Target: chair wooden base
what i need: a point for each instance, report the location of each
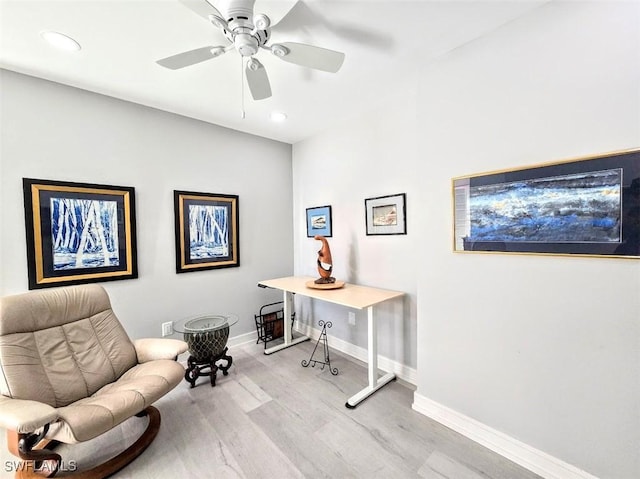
(40, 461)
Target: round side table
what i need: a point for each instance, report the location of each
(207, 338)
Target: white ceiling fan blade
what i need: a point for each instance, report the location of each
(309, 56)
(185, 59)
(298, 17)
(209, 13)
(201, 7)
(306, 15)
(277, 11)
(257, 79)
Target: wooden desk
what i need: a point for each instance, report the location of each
(352, 296)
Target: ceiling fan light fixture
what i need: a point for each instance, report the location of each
(245, 44)
(60, 41)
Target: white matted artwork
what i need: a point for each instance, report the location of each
(386, 215)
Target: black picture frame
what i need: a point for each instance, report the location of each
(79, 232)
(386, 215)
(585, 206)
(206, 231)
(319, 222)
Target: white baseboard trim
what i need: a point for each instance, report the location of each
(387, 365)
(526, 456)
(241, 339)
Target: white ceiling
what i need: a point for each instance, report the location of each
(385, 42)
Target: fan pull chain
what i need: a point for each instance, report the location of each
(242, 113)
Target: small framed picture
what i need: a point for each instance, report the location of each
(206, 228)
(319, 221)
(79, 232)
(386, 215)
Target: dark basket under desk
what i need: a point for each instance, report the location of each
(270, 322)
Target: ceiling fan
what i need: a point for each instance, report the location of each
(247, 33)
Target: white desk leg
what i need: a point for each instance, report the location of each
(288, 306)
(372, 353)
(288, 341)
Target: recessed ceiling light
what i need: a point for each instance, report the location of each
(278, 116)
(60, 40)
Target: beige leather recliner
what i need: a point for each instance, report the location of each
(69, 373)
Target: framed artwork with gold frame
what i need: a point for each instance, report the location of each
(79, 232)
(206, 229)
(587, 206)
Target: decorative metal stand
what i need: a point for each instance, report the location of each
(208, 367)
(323, 339)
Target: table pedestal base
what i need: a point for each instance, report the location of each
(208, 367)
(356, 399)
(285, 345)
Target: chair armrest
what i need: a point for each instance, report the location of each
(150, 349)
(25, 416)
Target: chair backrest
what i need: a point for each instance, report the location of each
(60, 345)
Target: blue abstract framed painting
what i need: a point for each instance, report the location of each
(587, 206)
(319, 221)
(79, 232)
(206, 227)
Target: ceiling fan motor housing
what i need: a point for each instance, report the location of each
(241, 31)
(237, 8)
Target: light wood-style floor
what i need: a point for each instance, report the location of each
(272, 418)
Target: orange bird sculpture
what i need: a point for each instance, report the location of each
(325, 264)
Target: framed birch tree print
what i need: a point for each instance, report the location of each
(79, 232)
(206, 228)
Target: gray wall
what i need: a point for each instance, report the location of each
(56, 132)
(363, 158)
(543, 349)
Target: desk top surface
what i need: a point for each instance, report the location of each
(351, 295)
